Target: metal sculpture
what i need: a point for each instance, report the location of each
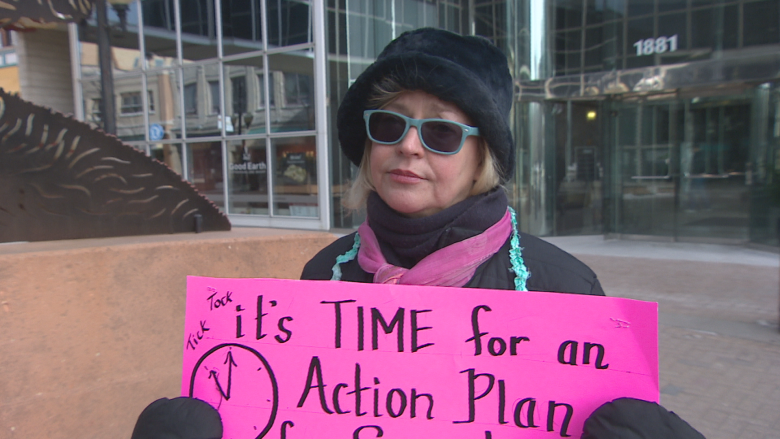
(62, 179)
(24, 14)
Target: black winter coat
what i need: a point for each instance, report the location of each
(551, 268)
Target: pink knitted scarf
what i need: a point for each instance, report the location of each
(451, 266)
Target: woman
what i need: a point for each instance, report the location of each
(427, 124)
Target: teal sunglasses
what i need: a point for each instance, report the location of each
(437, 135)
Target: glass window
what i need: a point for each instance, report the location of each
(614, 9)
(730, 31)
(261, 91)
(640, 7)
(131, 103)
(289, 22)
(205, 170)
(293, 73)
(337, 37)
(191, 98)
(242, 97)
(94, 111)
(297, 89)
(88, 57)
(568, 14)
(168, 153)
(200, 121)
(594, 40)
(238, 85)
(639, 31)
(295, 177)
(241, 26)
(165, 107)
(595, 11)
(159, 33)
(702, 28)
(125, 54)
(612, 50)
(247, 177)
(762, 23)
(198, 29)
(214, 97)
(671, 5)
(129, 111)
(673, 25)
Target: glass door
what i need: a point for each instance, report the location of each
(680, 167)
(646, 135)
(579, 168)
(714, 159)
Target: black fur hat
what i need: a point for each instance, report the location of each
(470, 72)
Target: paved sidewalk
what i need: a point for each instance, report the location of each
(718, 335)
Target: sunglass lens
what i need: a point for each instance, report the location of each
(385, 127)
(442, 136)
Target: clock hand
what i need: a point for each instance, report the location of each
(213, 374)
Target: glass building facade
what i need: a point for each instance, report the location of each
(632, 118)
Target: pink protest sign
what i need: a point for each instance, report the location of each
(312, 359)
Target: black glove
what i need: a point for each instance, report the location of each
(628, 418)
(178, 418)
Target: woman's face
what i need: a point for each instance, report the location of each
(414, 181)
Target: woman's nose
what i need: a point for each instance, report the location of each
(411, 143)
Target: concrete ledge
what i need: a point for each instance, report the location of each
(92, 329)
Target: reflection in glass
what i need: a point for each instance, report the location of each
(205, 170)
(198, 29)
(199, 117)
(159, 33)
(214, 103)
(247, 177)
(125, 54)
(168, 153)
(292, 75)
(578, 170)
(289, 22)
(640, 7)
(241, 26)
(162, 87)
(295, 177)
(93, 102)
(763, 18)
(129, 112)
(243, 85)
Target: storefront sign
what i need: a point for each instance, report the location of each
(308, 359)
(248, 168)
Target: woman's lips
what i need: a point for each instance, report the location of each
(403, 176)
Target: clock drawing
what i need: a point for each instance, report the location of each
(238, 381)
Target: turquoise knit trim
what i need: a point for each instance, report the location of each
(516, 257)
(346, 257)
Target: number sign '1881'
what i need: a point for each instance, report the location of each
(650, 46)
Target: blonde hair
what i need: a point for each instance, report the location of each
(384, 92)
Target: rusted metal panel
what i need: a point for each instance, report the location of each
(62, 179)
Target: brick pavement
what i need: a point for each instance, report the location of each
(718, 327)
